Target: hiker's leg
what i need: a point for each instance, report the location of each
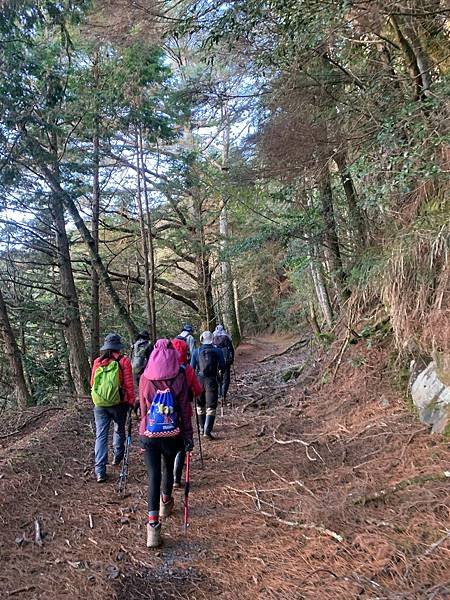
(211, 397)
(102, 421)
(119, 417)
(179, 464)
(225, 382)
(201, 410)
(170, 448)
(152, 459)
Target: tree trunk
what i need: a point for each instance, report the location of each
(79, 365)
(66, 199)
(228, 304)
(95, 281)
(236, 307)
(420, 79)
(217, 291)
(229, 310)
(204, 291)
(69, 384)
(14, 357)
(355, 213)
(200, 249)
(144, 239)
(255, 310)
(313, 318)
(89, 241)
(331, 240)
(320, 288)
(150, 262)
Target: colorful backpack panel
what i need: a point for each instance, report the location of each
(162, 417)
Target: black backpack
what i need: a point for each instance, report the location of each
(208, 361)
(223, 342)
(141, 351)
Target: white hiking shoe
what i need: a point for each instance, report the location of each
(153, 535)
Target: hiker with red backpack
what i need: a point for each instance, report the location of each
(112, 392)
(164, 430)
(208, 363)
(195, 390)
(222, 340)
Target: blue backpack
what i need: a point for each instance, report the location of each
(162, 417)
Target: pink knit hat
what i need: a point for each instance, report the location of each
(163, 362)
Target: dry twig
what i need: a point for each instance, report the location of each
(303, 443)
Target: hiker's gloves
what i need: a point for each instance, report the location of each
(188, 445)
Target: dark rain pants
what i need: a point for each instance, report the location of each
(159, 458)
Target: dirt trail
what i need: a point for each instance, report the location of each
(299, 519)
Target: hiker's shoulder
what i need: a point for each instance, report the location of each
(124, 360)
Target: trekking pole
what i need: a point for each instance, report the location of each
(186, 492)
(198, 432)
(123, 477)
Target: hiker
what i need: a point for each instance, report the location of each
(208, 361)
(112, 392)
(164, 430)
(222, 340)
(142, 348)
(187, 336)
(195, 389)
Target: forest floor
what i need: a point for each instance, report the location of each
(321, 487)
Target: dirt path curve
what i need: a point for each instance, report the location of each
(46, 482)
(284, 508)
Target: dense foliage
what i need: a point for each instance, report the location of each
(261, 163)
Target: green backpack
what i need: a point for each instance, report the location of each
(106, 390)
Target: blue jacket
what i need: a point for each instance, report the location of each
(195, 362)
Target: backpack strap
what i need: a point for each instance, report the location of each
(121, 390)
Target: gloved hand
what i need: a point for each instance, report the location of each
(188, 445)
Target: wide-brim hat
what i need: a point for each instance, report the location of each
(113, 341)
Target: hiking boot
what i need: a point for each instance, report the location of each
(166, 508)
(153, 535)
(101, 478)
(176, 485)
(209, 424)
(209, 436)
(116, 461)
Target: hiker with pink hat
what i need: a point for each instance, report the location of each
(164, 430)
